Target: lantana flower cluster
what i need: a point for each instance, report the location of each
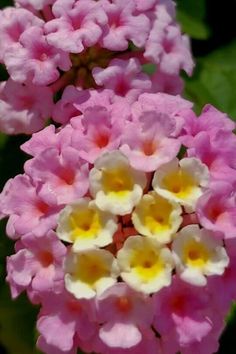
(124, 221)
(46, 45)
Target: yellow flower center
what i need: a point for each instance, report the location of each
(146, 263)
(90, 268)
(179, 183)
(117, 182)
(84, 224)
(196, 254)
(155, 216)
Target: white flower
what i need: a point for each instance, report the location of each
(115, 186)
(86, 226)
(198, 253)
(90, 272)
(145, 266)
(157, 217)
(182, 181)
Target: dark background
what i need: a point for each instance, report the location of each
(211, 25)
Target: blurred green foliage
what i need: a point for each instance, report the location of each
(214, 81)
(191, 15)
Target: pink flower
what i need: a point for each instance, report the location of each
(27, 211)
(125, 78)
(184, 309)
(123, 25)
(147, 141)
(123, 311)
(165, 45)
(74, 102)
(64, 175)
(77, 25)
(21, 109)
(218, 156)
(210, 120)
(216, 209)
(63, 318)
(163, 103)
(37, 264)
(13, 22)
(99, 132)
(171, 84)
(34, 4)
(47, 138)
(34, 60)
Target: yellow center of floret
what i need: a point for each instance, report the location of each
(146, 263)
(84, 224)
(155, 215)
(196, 254)
(179, 183)
(117, 182)
(90, 268)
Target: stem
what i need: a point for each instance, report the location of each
(63, 81)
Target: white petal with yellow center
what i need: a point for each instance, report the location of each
(157, 217)
(198, 254)
(115, 185)
(145, 265)
(182, 181)
(90, 272)
(85, 225)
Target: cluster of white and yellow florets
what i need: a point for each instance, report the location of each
(158, 246)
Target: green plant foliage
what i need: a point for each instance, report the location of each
(214, 80)
(4, 3)
(191, 14)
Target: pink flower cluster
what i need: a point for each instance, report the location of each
(46, 45)
(124, 218)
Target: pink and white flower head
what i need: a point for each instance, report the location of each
(124, 232)
(87, 44)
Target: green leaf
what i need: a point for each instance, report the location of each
(191, 14)
(5, 3)
(215, 80)
(17, 323)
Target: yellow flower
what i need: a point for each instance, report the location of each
(157, 217)
(115, 185)
(86, 226)
(144, 265)
(198, 254)
(182, 181)
(90, 272)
